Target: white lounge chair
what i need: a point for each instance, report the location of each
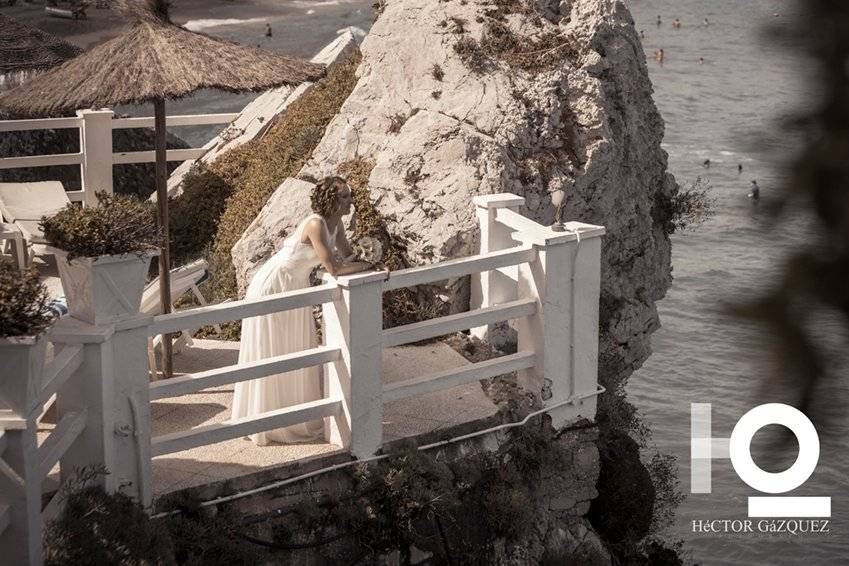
(23, 204)
(184, 278)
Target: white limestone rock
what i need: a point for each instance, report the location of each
(587, 125)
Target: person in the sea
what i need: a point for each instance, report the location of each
(706, 164)
(676, 23)
(756, 191)
(739, 168)
(268, 32)
(701, 60)
(707, 22)
(314, 242)
(659, 21)
(659, 55)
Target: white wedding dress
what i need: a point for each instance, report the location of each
(281, 333)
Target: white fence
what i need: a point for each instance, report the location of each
(545, 281)
(96, 157)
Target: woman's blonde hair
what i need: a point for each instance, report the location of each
(325, 195)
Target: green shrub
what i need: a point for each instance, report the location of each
(194, 214)
(257, 168)
(121, 224)
(96, 528)
(23, 302)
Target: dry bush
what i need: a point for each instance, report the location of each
(23, 302)
(473, 55)
(396, 122)
(690, 207)
(400, 306)
(436, 72)
(541, 53)
(121, 224)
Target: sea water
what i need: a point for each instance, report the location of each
(729, 109)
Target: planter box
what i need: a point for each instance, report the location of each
(105, 289)
(21, 367)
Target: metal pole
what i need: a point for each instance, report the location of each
(162, 204)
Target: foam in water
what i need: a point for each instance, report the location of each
(199, 25)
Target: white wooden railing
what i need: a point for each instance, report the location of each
(546, 282)
(24, 464)
(96, 157)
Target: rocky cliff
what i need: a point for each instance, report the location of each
(523, 97)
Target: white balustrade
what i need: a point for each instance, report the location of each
(547, 282)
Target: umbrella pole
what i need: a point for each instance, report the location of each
(162, 205)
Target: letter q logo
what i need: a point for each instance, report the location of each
(704, 448)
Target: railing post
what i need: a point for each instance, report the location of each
(565, 280)
(354, 324)
(89, 389)
(112, 386)
(20, 486)
(21, 376)
(493, 287)
(96, 145)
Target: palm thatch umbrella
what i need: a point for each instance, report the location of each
(155, 60)
(25, 49)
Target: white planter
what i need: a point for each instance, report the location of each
(105, 289)
(21, 366)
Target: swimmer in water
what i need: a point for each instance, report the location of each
(755, 195)
(739, 168)
(268, 30)
(642, 34)
(659, 21)
(676, 23)
(659, 55)
(701, 60)
(707, 22)
(706, 164)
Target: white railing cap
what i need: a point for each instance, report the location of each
(498, 200)
(546, 236)
(69, 330)
(356, 279)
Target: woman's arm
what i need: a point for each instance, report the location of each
(320, 240)
(342, 244)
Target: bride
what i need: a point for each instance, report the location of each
(312, 243)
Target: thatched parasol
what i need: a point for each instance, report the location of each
(152, 61)
(25, 49)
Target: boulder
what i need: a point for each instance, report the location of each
(506, 97)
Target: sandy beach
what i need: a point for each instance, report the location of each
(210, 16)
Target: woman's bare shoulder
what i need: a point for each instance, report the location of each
(313, 228)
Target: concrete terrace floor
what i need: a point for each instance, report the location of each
(226, 460)
(234, 458)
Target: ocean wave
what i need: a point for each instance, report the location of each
(356, 31)
(199, 25)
